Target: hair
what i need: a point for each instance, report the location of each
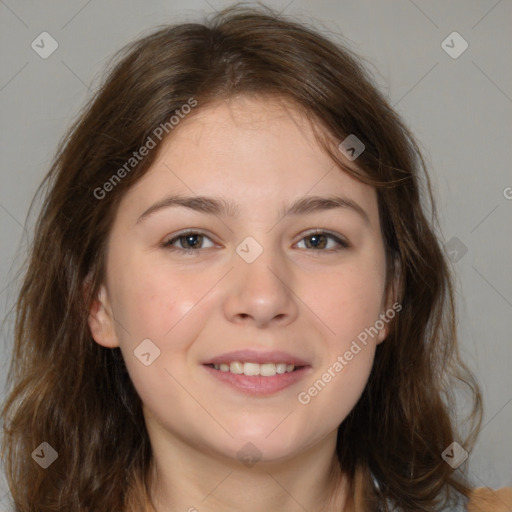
(76, 395)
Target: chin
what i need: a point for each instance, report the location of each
(266, 442)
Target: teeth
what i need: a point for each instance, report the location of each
(236, 367)
(251, 369)
(281, 368)
(255, 369)
(267, 369)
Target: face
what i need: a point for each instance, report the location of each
(263, 277)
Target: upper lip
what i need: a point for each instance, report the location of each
(253, 356)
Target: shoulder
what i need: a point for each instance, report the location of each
(484, 499)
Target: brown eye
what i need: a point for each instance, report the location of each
(320, 240)
(187, 242)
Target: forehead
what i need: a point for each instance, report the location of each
(254, 151)
(240, 126)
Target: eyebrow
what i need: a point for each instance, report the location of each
(227, 208)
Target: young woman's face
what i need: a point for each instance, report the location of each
(250, 285)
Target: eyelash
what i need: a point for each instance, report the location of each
(195, 252)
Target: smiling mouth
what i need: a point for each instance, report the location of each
(255, 369)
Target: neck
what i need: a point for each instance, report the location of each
(188, 479)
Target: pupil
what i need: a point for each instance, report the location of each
(317, 238)
(191, 239)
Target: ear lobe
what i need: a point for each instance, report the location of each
(392, 304)
(101, 321)
(383, 334)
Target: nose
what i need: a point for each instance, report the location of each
(261, 293)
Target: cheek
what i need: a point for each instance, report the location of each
(152, 299)
(161, 306)
(334, 390)
(348, 301)
(158, 308)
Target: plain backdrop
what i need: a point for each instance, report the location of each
(459, 106)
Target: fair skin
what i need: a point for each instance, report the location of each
(303, 295)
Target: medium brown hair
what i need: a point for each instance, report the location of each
(72, 393)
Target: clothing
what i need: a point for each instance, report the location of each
(484, 499)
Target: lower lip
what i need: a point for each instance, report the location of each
(258, 385)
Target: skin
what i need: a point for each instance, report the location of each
(310, 302)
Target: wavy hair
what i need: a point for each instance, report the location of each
(76, 395)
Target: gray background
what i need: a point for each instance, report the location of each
(460, 109)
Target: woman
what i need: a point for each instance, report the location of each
(235, 299)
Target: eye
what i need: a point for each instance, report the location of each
(190, 242)
(320, 240)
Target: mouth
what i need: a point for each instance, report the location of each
(256, 373)
(255, 369)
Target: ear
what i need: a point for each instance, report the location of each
(391, 305)
(101, 321)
